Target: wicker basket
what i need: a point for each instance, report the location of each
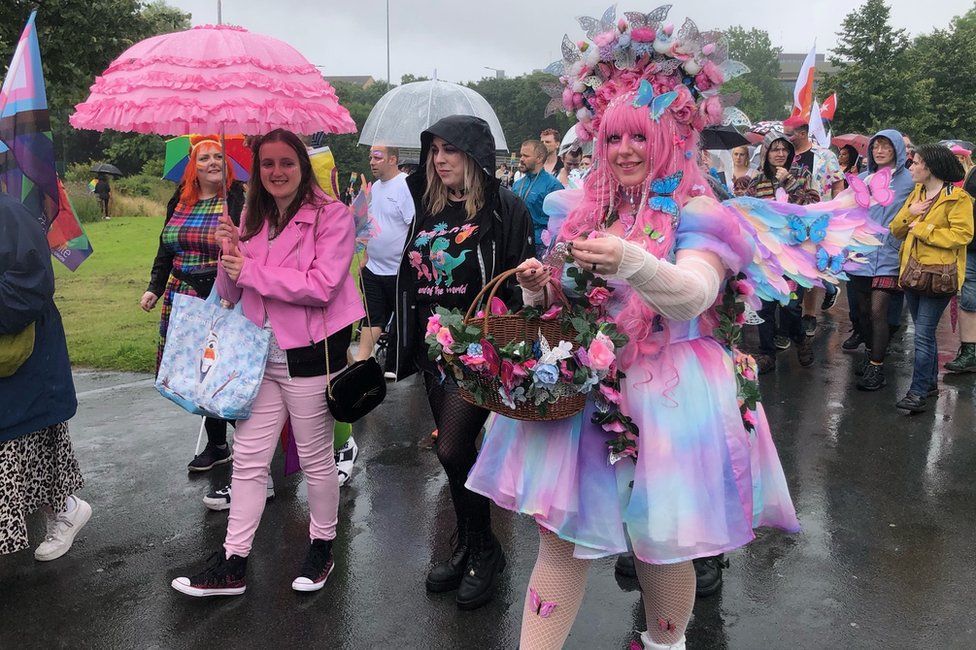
(505, 329)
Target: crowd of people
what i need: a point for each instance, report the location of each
(644, 221)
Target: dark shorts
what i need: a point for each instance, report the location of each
(967, 301)
(380, 295)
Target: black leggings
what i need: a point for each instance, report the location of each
(458, 425)
(216, 431)
(872, 317)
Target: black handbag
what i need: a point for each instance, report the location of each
(202, 279)
(357, 389)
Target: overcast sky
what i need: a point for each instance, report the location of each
(459, 38)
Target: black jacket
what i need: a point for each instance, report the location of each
(163, 264)
(504, 222)
(41, 393)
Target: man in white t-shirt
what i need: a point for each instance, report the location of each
(391, 207)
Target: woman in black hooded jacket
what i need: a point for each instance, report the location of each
(467, 230)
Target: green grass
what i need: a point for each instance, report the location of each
(100, 301)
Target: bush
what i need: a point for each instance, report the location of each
(86, 205)
(80, 172)
(137, 185)
(153, 167)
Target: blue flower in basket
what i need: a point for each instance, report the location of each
(546, 374)
(474, 350)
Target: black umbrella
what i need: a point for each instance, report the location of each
(105, 168)
(722, 137)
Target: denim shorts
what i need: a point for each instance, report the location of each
(967, 301)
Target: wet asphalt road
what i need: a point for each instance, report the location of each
(885, 559)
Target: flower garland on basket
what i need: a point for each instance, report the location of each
(731, 316)
(525, 378)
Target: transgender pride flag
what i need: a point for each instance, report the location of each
(27, 152)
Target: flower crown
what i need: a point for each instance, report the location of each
(619, 54)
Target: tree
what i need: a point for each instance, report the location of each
(520, 105)
(945, 57)
(78, 39)
(876, 84)
(763, 96)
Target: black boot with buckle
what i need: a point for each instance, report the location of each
(485, 561)
(446, 576)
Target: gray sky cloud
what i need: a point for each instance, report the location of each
(459, 38)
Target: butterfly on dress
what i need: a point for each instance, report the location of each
(828, 262)
(541, 607)
(816, 232)
(657, 103)
(876, 188)
(664, 188)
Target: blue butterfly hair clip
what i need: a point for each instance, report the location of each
(664, 188)
(658, 103)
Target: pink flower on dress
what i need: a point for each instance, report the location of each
(615, 426)
(445, 339)
(611, 394)
(598, 296)
(749, 417)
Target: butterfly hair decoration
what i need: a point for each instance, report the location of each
(815, 232)
(543, 608)
(877, 188)
(664, 188)
(832, 263)
(593, 26)
(652, 19)
(657, 103)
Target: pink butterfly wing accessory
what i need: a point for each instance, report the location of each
(880, 185)
(861, 192)
(541, 607)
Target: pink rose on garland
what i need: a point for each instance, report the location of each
(433, 325)
(445, 339)
(598, 296)
(600, 353)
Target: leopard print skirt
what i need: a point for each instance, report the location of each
(39, 469)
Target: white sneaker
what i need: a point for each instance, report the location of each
(345, 458)
(61, 531)
(389, 376)
(218, 500)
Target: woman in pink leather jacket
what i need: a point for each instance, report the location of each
(288, 266)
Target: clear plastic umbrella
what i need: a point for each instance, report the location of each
(404, 112)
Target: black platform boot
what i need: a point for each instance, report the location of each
(447, 575)
(485, 561)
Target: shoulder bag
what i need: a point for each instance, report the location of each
(932, 280)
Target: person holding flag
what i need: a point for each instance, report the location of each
(37, 464)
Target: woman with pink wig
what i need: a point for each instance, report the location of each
(695, 477)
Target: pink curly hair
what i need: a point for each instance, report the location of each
(668, 142)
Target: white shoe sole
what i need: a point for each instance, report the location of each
(311, 586)
(183, 586)
(86, 513)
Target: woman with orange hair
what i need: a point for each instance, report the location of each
(186, 261)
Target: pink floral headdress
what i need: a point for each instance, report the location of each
(617, 54)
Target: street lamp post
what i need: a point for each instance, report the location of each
(499, 73)
(387, 42)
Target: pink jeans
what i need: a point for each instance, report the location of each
(303, 400)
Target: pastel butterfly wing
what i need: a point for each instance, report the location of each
(732, 69)
(660, 104)
(664, 204)
(861, 193)
(818, 231)
(880, 189)
(571, 52)
(781, 195)
(609, 17)
(823, 260)
(534, 601)
(837, 264)
(645, 94)
(659, 15)
(636, 18)
(546, 608)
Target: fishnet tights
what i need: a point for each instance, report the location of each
(557, 577)
(458, 425)
(669, 596)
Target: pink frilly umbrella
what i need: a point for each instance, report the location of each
(212, 79)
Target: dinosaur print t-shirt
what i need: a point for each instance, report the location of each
(444, 257)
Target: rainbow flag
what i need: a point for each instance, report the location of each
(27, 169)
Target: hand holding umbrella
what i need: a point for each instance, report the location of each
(228, 236)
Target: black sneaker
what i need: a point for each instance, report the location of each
(318, 565)
(781, 342)
(210, 457)
(861, 365)
(804, 351)
(809, 325)
(830, 299)
(852, 342)
(912, 403)
(625, 567)
(708, 574)
(224, 576)
(873, 378)
(220, 499)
